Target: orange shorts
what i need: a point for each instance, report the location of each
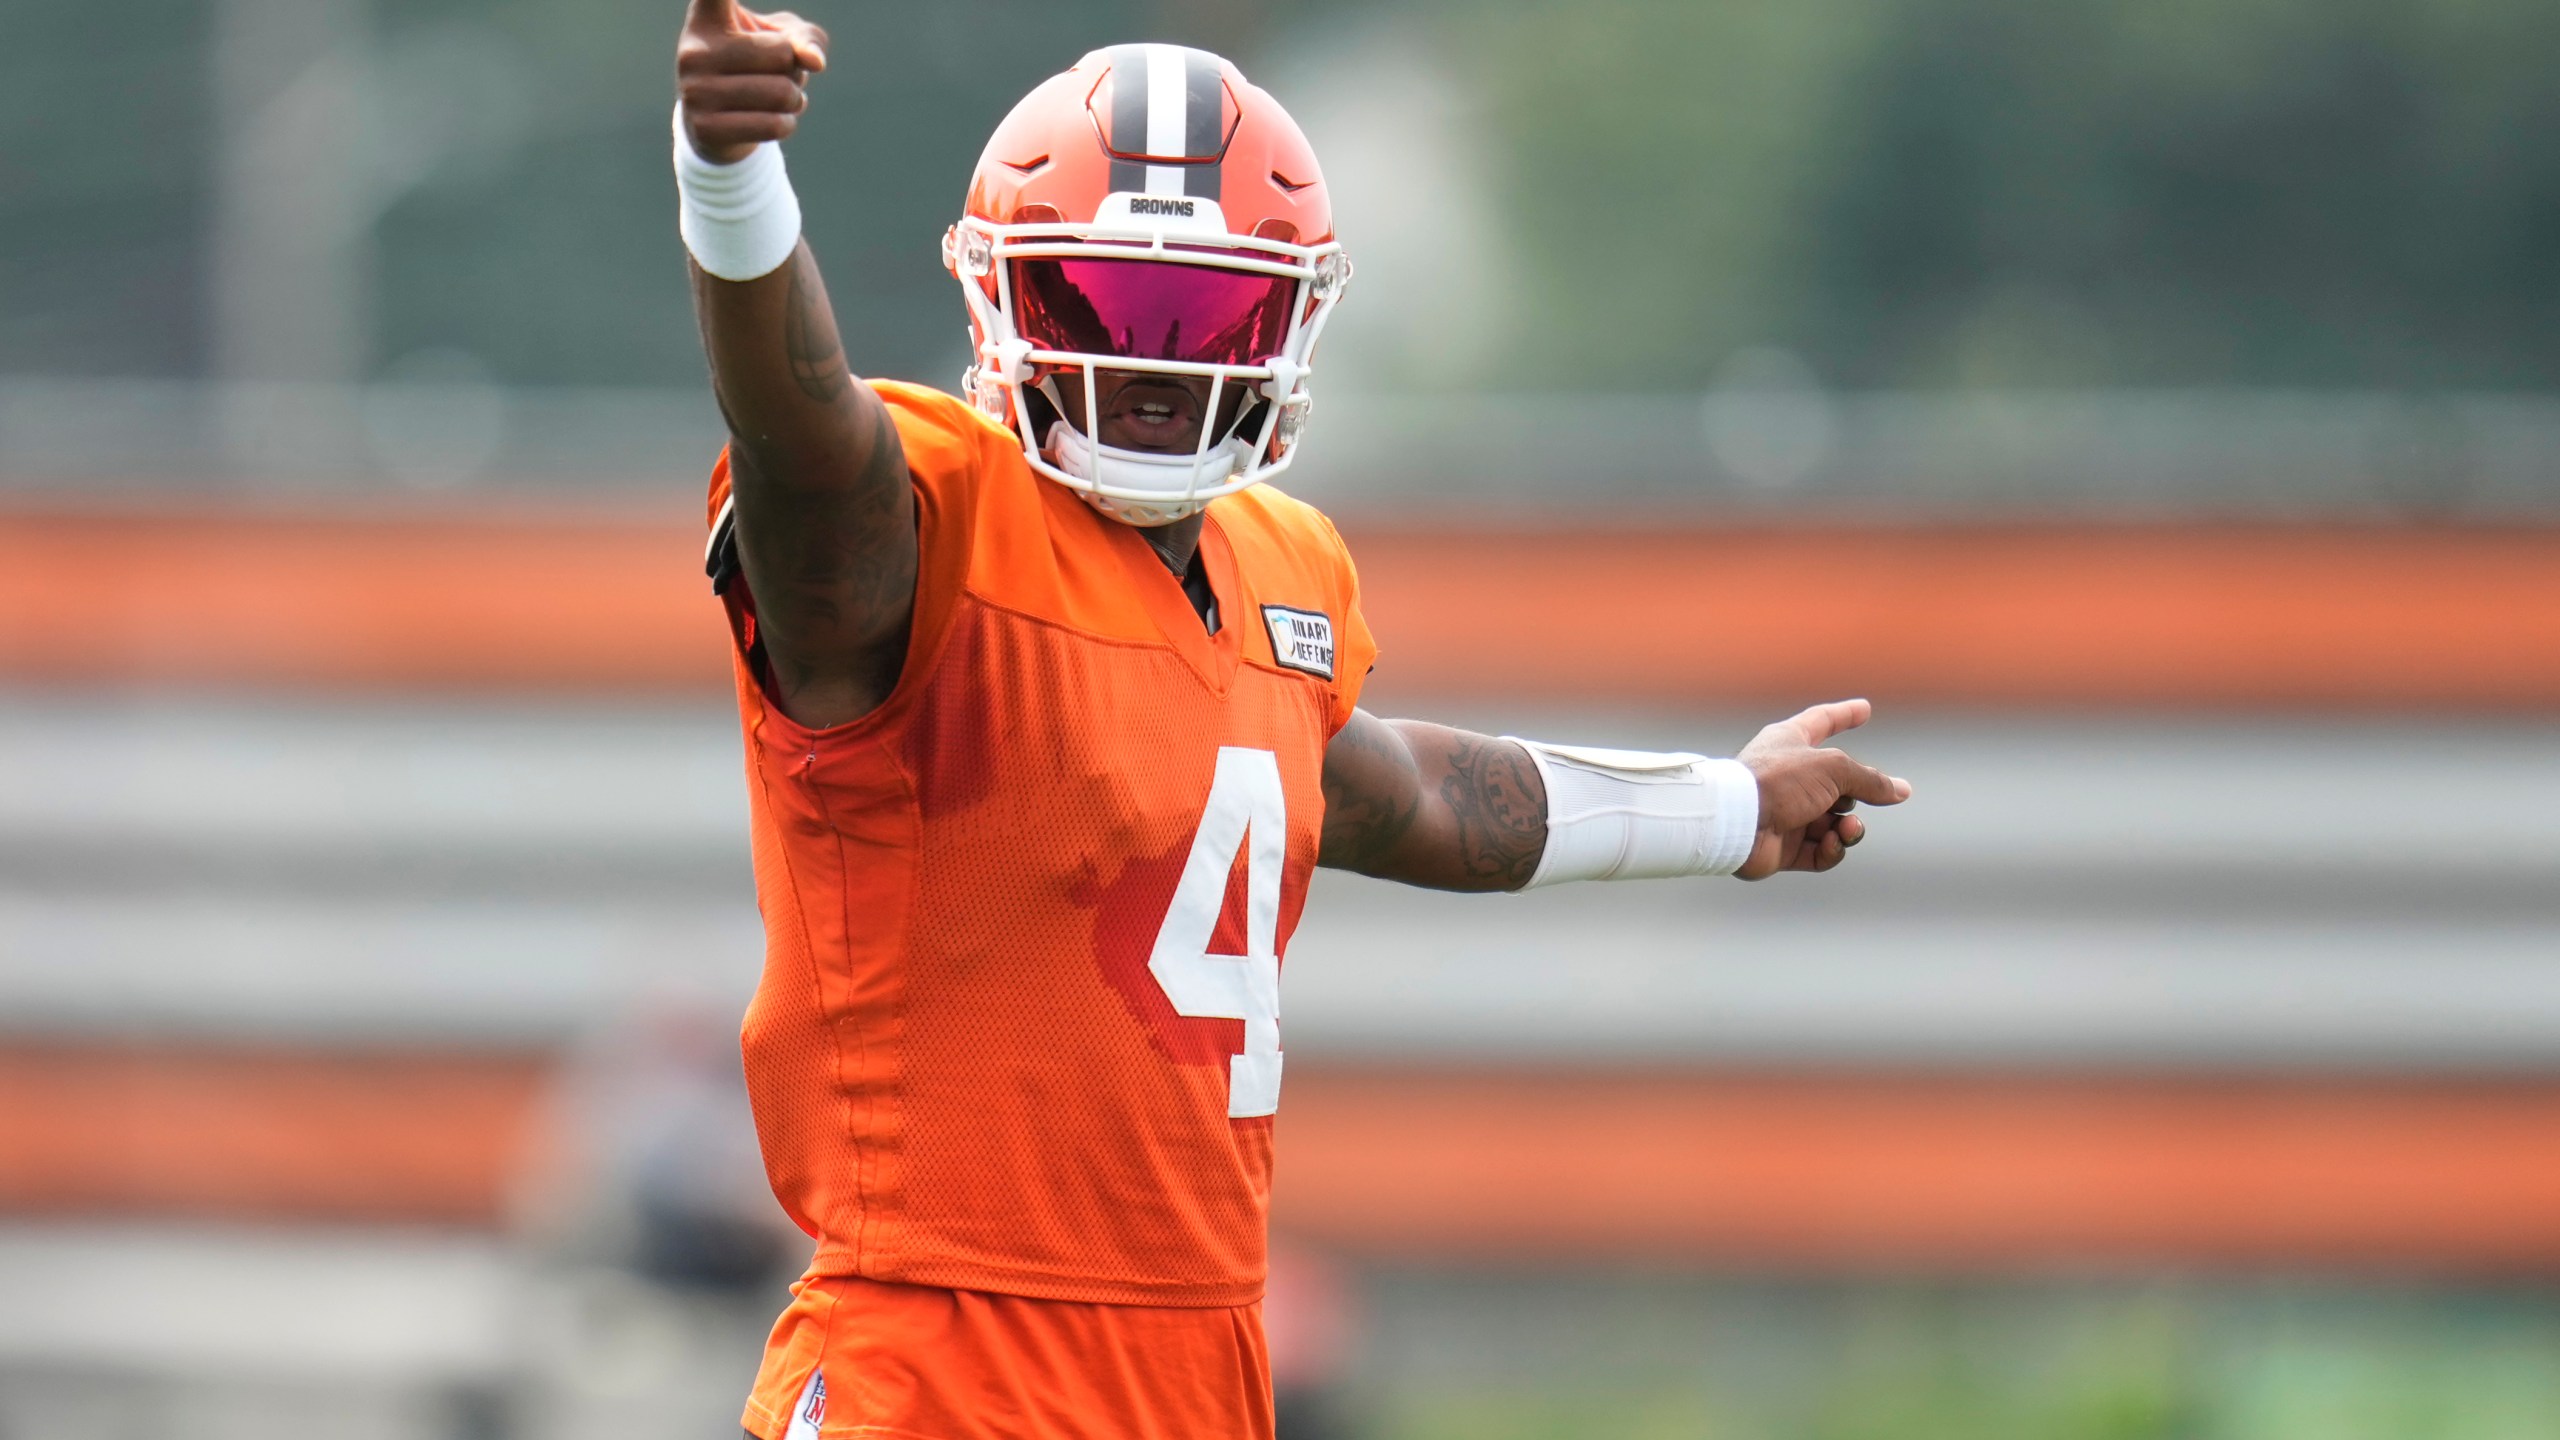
(855, 1357)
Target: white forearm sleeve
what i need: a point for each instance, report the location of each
(1631, 815)
(742, 220)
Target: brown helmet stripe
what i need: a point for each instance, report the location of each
(1204, 129)
(1128, 116)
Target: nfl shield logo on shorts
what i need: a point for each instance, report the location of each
(811, 1411)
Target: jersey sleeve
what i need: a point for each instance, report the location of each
(1355, 650)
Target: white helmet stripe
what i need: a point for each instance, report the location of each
(1168, 115)
(1168, 100)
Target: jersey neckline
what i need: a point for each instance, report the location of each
(1211, 657)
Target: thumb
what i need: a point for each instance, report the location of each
(1820, 722)
(808, 41)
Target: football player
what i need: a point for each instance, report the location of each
(1051, 706)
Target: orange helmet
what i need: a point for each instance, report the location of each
(1149, 210)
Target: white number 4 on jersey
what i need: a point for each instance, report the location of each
(1246, 807)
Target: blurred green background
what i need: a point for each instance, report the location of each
(1905, 193)
(1554, 1356)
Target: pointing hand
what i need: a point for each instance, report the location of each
(1808, 789)
(742, 76)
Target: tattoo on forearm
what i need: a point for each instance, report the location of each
(809, 338)
(1492, 789)
(710, 348)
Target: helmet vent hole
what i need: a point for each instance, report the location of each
(1276, 228)
(1287, 185)
(1032, 166)
(1036, 213)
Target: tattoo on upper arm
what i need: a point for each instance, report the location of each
(887, 515)
(1493, 791)
(1362, 823)
(809, 338)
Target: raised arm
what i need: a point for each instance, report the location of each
(825, 516)
(1450, 810)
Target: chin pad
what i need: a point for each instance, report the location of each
(1128, 483)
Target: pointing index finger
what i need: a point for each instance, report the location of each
(711, 15)
(1868, 785)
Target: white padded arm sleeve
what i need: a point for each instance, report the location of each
(1632, 815)
(741, 221)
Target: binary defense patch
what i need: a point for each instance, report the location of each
(1301, 639)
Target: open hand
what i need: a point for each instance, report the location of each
(742, 76)
(1807, 791)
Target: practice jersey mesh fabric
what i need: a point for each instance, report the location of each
(965, 1070)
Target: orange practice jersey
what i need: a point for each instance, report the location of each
(1018, 1027)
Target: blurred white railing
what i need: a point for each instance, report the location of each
(2068, 890)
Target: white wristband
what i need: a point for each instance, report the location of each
(741, 220)
(1631, 815)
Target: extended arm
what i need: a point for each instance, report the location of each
(1450, 810)
(1431, 806)
(825, 515)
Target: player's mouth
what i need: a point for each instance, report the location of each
(1161, 415)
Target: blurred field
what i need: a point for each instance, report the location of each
(2157, 410)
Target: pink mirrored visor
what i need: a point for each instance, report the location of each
(1152, 310)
